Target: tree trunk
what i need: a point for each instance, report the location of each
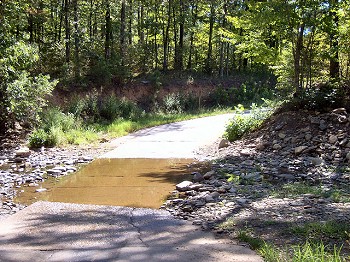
(194, 21)
(108, 32)
(122, 32)
(222, 43)
(67, 29)
(179, 47)
(208, 66)
(334, 67)
(76, 39)
(297, 57)
(166, 38)
(130, 23)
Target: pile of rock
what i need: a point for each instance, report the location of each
(293, 147)
(23, 166)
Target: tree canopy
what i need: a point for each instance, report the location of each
(98, 42)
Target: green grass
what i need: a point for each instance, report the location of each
(322, 230)
(296, 189)
(247, 237)
(308, 252)
(93, 132)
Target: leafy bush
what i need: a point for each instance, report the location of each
(22, 94)
(321, 97)
(37, 138)
(40, 137)
(172, 104)
(245, 122)
(54, 117)
(95, 108)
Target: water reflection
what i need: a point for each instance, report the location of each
(121, 182)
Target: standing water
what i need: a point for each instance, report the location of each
(119, 182)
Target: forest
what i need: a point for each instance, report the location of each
(84, 44)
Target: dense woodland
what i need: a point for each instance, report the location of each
(89, 43)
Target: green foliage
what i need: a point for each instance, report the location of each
(54, 117)
(22, 96)
(247, 237)
(244, 123)
(253, 90)
(172, 104)
(322, 97)
(308, 252)
(322, 230)
(95, 108)
(40, 137)
(26, 96)
(296, 189)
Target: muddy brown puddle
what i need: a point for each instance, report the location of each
(119, 182)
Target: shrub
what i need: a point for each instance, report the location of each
(54, 117)
(245, 122)
(22, 94)
(41, 137)
(37, 138)
(321, 97)
(172, 104)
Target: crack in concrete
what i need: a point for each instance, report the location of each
(138, 229)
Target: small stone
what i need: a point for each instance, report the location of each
(197, 177)
(323, 125)
(260, 146)
(308, 137)
(242, 201)
(39, 190)
(209, 174)
(315, 120)
(299, 149)
(343, 142)
(224, 143)
(316, 161)
(209, 199)
(183, 186)
(23, 152)
(276, 146)
(332, 139)
(348, 156)
(282, 135)
(339, 111)
(215, 195)
(245, 152)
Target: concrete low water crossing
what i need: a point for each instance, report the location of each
(47, 231)
(139, 182)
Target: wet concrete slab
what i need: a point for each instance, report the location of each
(140, 182)
(175, 140)
(70, 232)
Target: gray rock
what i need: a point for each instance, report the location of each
(348, 156)
(209, 174)
(224, 143)
(299, 149)
(276, 146)
(332, 139)
(316, 161)
(281, 135)
(315, 120)
(339, 111)
(197, 177)
(23, 152)
(184, 186)
(323, 125)
(308, 137)
(245, 152)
